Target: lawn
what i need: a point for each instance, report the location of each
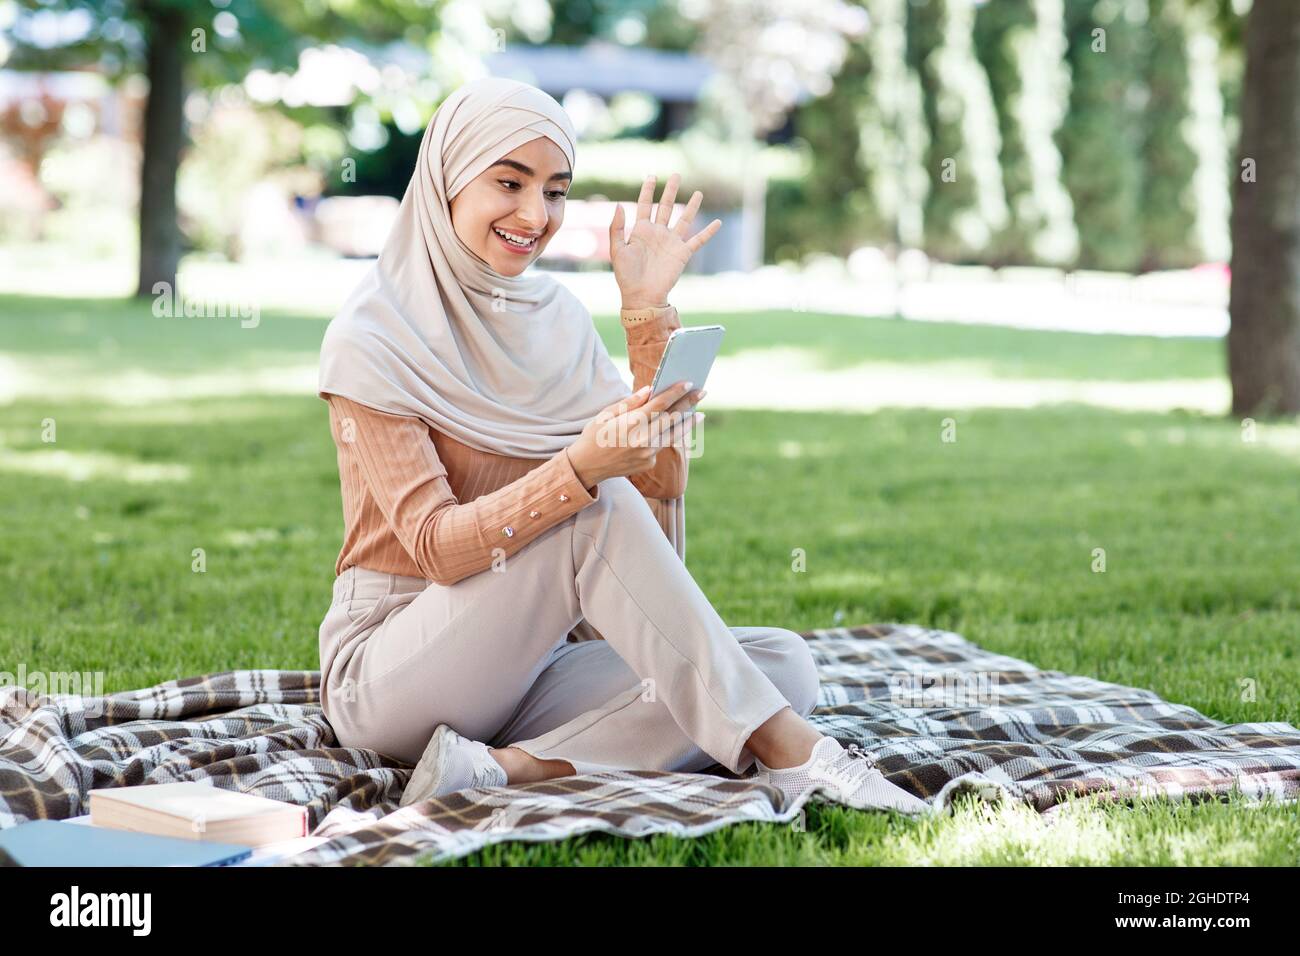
(992, 535)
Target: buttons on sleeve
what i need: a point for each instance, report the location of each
(509, 531)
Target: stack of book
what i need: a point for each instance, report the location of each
(167, 824)
(197, 811)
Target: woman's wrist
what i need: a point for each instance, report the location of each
(579, 466)
(643, 302)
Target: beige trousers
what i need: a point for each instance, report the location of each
(591, 644)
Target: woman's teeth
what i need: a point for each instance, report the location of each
(515, 240)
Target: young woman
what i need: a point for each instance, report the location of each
(511, 601)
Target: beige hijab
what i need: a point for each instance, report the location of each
(509, 365)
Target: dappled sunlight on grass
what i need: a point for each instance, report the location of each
(799, 449)
(860, 581)
(739, 382)
(252, 537)
(1279, 438)
(182, 413)
(865, 583)
(1093, 830)
(313, 283)
(66, 380)
(793, 378)
(88, 465)
(118, 351)
(986, 834)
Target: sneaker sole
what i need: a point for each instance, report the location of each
(427, 777)
(821, 795)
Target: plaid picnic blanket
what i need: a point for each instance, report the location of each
(943, 716)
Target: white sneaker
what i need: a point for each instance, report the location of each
(451, 762)
(844, 776)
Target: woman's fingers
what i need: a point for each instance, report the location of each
(669, 428)
(667, 397)
(703, 236)
(688, 215)
(627, 403)
(679, 429)
(693, 397)
(616, 227)
(640, 427)
(644, 201)
(667, 199)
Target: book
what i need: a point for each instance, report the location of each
(263, 855)
(193, 810)
(51, 843)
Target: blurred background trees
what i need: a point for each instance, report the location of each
(181, 45)
(1264, 337)
(1074, 134)
(1088, 134)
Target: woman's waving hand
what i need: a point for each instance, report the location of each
(649, 261)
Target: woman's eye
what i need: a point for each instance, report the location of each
(507, 182)
(557, 194)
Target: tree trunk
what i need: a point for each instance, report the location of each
(1264, 337)
(160, 239)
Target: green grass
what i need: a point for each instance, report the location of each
(120, 334)
(843, 341)
(991, 536)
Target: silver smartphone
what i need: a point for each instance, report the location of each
(687, 357)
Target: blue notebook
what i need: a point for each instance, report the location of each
(55, 843)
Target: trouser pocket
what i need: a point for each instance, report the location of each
(366, 592)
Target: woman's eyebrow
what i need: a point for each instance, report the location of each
(528, 170)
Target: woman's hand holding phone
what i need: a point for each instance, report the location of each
(625, 437)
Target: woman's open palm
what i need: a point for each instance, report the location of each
(648, 263)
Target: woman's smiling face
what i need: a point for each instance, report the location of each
(521, 195)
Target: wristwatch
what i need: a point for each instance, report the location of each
(633, 316)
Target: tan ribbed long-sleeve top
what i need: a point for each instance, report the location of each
(418, 502)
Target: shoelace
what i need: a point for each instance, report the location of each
(842, 770)
(855, 750)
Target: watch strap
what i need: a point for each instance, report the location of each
(634, 316)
